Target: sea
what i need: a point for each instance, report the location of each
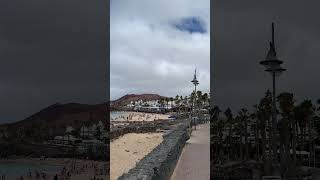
(115, 114)
(13, 170)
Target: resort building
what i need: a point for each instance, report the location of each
(89, 138)
(66, 140)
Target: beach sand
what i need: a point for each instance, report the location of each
(140, 116)
(126, 151)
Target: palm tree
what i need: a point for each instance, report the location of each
(286, 104)
(228, 114)
(198, 98)
(215, 130)
(204, 98)
(162, 101)
(243, 114)
(266, 113)
(216, 110)
(254, 117)
(263, 117)
(308, 112)
(239, 131)
(220, 127)
(192, 99)
(181, 103)
(177, 102)
(299, 118)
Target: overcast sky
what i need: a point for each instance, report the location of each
(241, 35)
(51, 51)
(156, 45)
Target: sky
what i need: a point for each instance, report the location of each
(241, 35)
(155, 47)
(51, 52)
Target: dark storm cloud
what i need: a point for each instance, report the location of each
(241, 35)
(51, 51)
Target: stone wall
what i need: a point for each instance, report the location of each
(160, 163)
(131, 129)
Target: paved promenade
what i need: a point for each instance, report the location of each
(194, 161)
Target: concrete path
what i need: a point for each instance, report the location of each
(194, 161)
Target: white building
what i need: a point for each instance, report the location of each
(91, 131)
(66, 140)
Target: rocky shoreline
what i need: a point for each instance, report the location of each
(119, 128)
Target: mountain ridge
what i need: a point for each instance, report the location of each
(56, 117)
(126, 99)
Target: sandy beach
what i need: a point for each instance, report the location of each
(140, 116)
(76, 168)
(127, 150)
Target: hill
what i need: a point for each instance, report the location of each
(54, 119)
(124, 100)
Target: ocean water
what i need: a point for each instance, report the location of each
(13, 170)
(115, 114)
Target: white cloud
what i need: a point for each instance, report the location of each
(148, 55)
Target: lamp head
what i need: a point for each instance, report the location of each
(271, 62)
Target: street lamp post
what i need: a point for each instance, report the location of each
(272, 65)
(195, 82)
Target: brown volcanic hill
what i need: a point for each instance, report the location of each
(124, 100)
(54, 119)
